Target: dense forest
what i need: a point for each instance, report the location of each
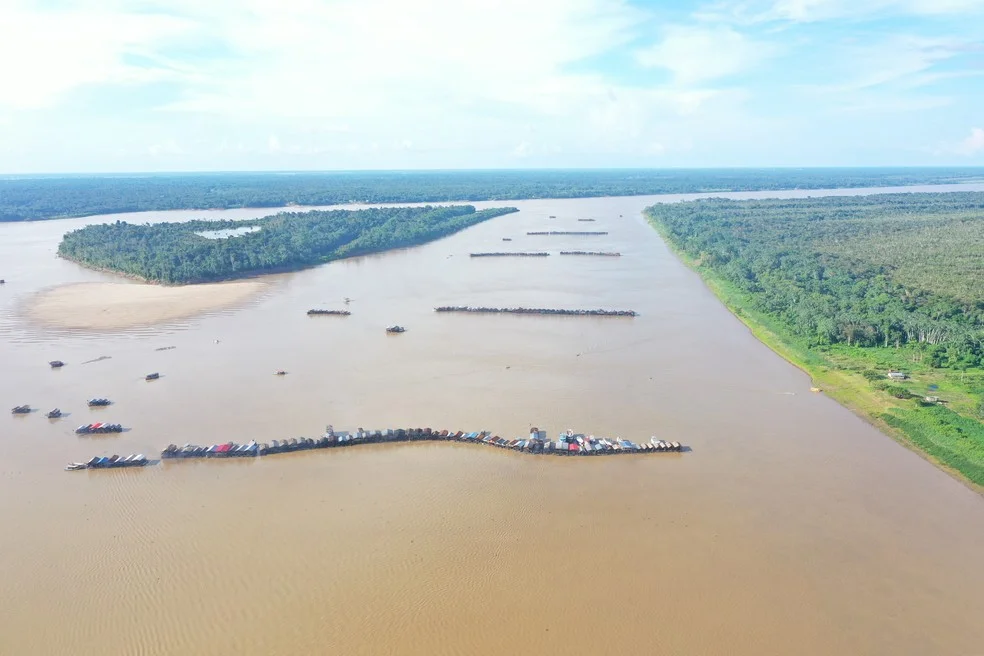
(27, 198)
(853, 287)
(820, 266)
(179, 253)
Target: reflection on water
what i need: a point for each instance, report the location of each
(792, 526)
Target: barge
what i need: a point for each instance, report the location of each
(99, 428)
(551, 311)
(111, 462)
(321, 313)
(577, 233)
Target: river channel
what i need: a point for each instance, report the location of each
(791, 527)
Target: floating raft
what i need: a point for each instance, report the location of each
(112, 462)
(566, 232)
(508, 254)
(551, 311)
(600, 253)
(567, 444)
(338, 313)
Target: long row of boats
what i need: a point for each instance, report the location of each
(568, 443)
(568, 232)
(524, 310)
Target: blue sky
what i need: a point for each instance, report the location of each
(166, 85)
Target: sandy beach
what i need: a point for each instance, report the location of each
(107, 306)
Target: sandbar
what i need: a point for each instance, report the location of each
(108, 305)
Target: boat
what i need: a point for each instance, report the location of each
(280, 372)
(21, 409)
(318, 312)
(153, 376)
(55, 364)
(98, 403)
(98, 428)
(114, 461)
(54, 414)
(395, 329)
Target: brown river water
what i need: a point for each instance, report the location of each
(792, 527)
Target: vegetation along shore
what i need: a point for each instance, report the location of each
(877, 298)
(177, 253)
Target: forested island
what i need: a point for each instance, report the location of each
(25, 198)
(853, 288)
(177, 253)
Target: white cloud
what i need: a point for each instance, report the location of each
(169, 147)
(808, 11)
(46, 53)
(973, 144)
(695, 54)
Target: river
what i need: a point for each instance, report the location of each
(791, 527)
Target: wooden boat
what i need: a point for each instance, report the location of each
(20, 410)
(153, 376)
(395, 329)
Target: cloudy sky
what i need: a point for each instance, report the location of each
(157, 85)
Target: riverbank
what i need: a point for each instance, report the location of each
(933, 432)
(113, 306)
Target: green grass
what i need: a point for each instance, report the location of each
(952, 437)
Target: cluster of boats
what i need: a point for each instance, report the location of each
(340, 313)
(522, 310)
(110, 462)
(56, 413)
(599, 253)
(568, 443)
(98, 428)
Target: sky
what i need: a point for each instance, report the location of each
(199, 85)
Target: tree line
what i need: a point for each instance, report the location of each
(27, 198)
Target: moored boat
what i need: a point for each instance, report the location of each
(153, 376)
(98, 403)
(20, 409)
(55, 364)
(395, 329)
(54, 414)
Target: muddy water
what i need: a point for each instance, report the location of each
(792, 526)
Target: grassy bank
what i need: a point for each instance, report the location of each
(948, 435)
